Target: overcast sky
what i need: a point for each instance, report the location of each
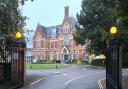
(48, 12)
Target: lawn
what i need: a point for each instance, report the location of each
(46, 66)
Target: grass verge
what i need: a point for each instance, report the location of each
(46, 66)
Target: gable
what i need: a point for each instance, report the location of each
(38, 32)
(71, 22)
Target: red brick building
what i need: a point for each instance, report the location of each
(56, 42)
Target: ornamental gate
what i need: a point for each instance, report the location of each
(12, 62)
(113, 65)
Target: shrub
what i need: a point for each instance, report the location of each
(73, 61)
(40, 62)
(84, 62)
(125, 63)
(98, 62)
(52, 61)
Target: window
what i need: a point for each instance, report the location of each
(52, 45)
(53, 33)
(85, 56)
(66, 42)
(55, 44)
(77, 55)
(38, 40)
(66, 29)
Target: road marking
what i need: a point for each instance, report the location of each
(73, 79)
(100, 84)
(64, 74)
(56, 72)
(84, 69)
(40, 80)
(37, 81)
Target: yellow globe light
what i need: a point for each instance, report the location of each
(113, 30)
(18, 34)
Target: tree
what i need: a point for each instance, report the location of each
(96, 17)
(11, 19)
(123, 25)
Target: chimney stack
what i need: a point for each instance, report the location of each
(66, 11)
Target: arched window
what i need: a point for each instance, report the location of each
(66, 28)
(38, 40)
(84, 55)
(77, 55)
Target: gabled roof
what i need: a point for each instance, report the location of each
(48, 30)
(73, 21)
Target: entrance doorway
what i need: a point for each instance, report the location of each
(66, 58)
(66, 54)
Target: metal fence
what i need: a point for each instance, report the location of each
(12, 62)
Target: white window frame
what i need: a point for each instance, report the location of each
(38, 40)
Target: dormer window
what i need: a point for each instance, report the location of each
(53, 33)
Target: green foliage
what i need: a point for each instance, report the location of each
(80, 35)
(75, 62)
(52, 62)
(40, 62)
(44, 62)
(123, 8)
(11, 19)
(98, 62)
(84, 62)
(72, 62)
(45, 66)
(97, 37)
(23, 1)
(95, 18)
(125, 63)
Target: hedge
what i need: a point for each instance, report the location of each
(125, 63)
(98, 62)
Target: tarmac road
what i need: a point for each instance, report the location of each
(76, 77)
